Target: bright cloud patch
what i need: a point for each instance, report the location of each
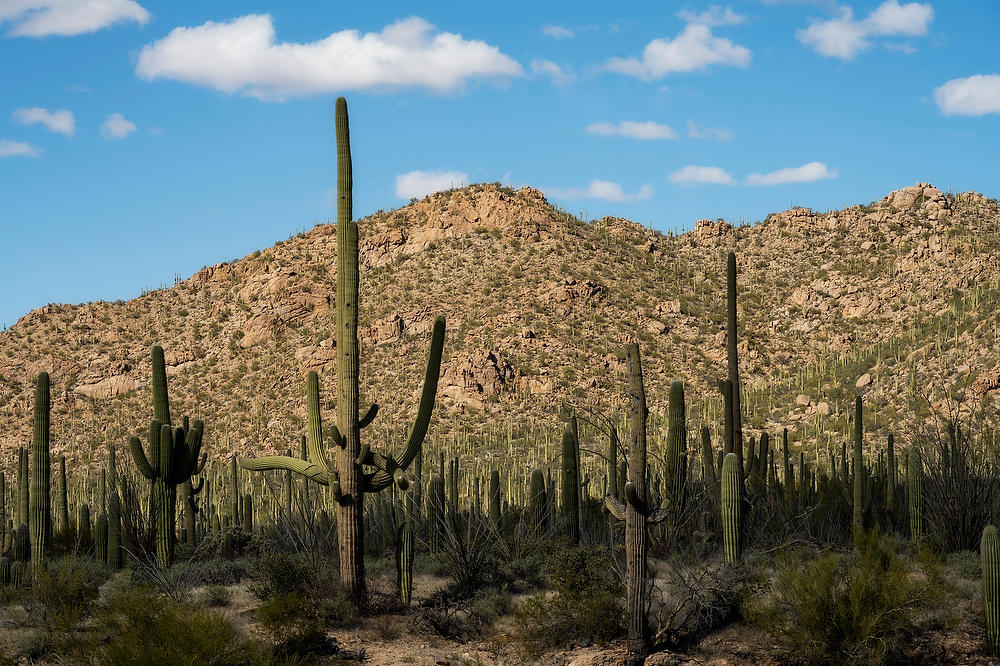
(713, 16)
(844, 37)
(972, 96)
(602, 189)
(417, 184)
(694, 49)
(116, 127)
(42, 18)
(806, 173)
(557, 31)
(10, 148)
(696, 131)
(634, 130)
(550, 69)
(242, 56)
(701, 175)
(57, 121)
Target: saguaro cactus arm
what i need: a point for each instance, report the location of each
(304, 468)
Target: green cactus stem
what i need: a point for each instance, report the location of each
(40, 522)
(732, 510)
(989, 553)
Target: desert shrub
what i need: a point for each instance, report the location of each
(293, 623)
(843, 608)
(337, 611)
(487, 607)
(223, 572)
(279, 573)
(217, 596)
(466, 550)
(140, 626)
(33, 645)
(63, 593)
(965, 563)
(585, 603)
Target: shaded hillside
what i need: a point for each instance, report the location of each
(896, 297)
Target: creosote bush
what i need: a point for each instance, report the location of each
(586, 603)
(855, 607)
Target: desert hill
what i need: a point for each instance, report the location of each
(897, 298)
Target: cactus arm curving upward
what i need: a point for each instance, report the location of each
(304, 468)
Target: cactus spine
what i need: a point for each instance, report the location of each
(40, 523)
(732, 509)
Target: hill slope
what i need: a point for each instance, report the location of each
(899, 296)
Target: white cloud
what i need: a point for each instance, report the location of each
(548, 68)
(116, 127)
(696, 131)
(713, 16)
(42, 18)
(242, 56)
(701, 175)
(602, 189)
(417, 184)
(844, 37)
(694, 49)
(10, 148)
(807, 173)
(972, 96)
(557, 31)
(57, 121)
(633, 129)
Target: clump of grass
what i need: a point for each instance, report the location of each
(217, 596)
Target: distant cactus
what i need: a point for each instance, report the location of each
(114, 531)
(989, 553)
(732, 510)
(537, 502)
(857, 520)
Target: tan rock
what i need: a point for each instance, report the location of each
(802, 400)
(864, 380)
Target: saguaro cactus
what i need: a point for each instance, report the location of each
(404, 556)
(989, 553)
(858, 516)
(637, 513)
(40, 522)
(676, 451)
(349, 482)
(915, 479)
(570, 481)
(732, 354)
(732, 509)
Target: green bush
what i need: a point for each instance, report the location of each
(217, 596)
(843, 608)
(63, 593)
(294, 624)
(279, 573)
(139, 626)
(585, 604)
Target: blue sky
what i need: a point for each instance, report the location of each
(142, 140)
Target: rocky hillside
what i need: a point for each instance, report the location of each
(898, 298)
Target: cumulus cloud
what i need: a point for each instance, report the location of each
(694, 49)
(557, 31)
(43, 18)
(633, 129)
(844, 37)
(417, 184)
(243, 56)
(972, 96)
(60, 121)
(10, 148)
(807, 173)
(602, 189)
(696, 131)
(116, 127)
(550, 69)
(701, 175)
(713, 16)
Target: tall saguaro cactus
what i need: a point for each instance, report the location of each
(989, 553)
(860, 478)
(41, 475)
(732, 509)
(732, 353)
(349, 480)
(173, 458)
